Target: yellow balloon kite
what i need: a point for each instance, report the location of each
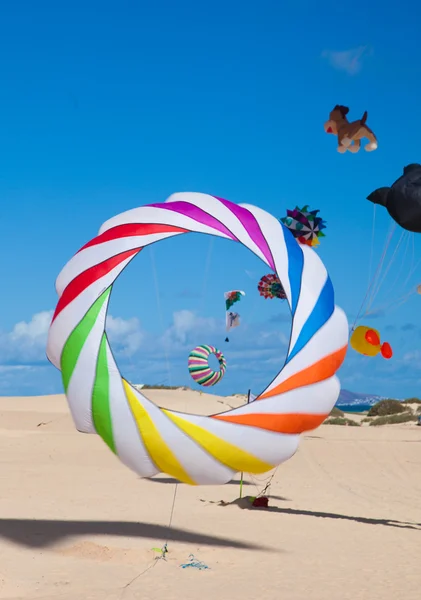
(366, 340)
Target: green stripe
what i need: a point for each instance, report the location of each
(101, 412)
(77, 339)
(207, 378)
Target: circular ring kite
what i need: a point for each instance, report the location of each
(195, 449)
(199, 365)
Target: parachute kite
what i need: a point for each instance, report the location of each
(403, 199)
(199, 365)
(232, 319)
(305, 225)
(270, 287)
(366, 340)
(350, 134)
(253, 438)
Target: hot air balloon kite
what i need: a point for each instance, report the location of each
(305, 225)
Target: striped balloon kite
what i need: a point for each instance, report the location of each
(197, 449)
(199, 369)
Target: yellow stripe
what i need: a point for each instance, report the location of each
(225, 452)
(158, 450)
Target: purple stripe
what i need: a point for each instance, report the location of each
(197, 376)
(204, 375)
(198, 361)
(197, 214)
(251, 226)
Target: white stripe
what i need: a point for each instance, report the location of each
(128, 442)
(313, 279)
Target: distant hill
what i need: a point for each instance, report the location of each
(358, 402)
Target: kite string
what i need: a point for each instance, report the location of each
(158, 304)
(374, 278)
(163, 550)
(381, 262)
(267, 481)
(403, 262)
(395, 302)
(412, 268)
(206, 274)
(380, 283)
(172, 513)
(373, 231)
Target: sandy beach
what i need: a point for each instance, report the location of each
(344, 520)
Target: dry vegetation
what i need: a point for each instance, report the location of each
(390, 412)
(342, 421)
(387, 407)
(404, 417)
(385, 412)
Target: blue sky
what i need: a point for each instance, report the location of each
(110, 105)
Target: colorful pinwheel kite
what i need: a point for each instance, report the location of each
(305, 225)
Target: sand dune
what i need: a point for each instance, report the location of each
(344, 521)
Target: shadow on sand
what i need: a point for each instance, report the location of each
(174, 481)
(45, 533)
(245, 503)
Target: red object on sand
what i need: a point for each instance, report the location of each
(262, 502)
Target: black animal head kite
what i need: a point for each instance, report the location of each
(403, 199)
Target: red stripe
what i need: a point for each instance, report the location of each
(130, 230)
(85, 279)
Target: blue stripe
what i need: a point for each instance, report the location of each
(321, 313)
(295, 266)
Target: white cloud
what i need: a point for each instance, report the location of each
(33, 332)
(125, 335)
(350, 61)
(26, 343)
(14, 368)
(413, 357)
(185, 323)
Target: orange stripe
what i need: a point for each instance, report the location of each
(287, 423)
(321, 370)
